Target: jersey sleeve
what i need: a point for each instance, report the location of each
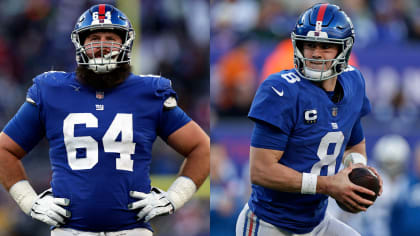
(33, 95)
(275, 104)
(171, 121)
(366, 107)
(357, 134)
(163, 88)
(172, 117)
(25, 128)
(268, 137)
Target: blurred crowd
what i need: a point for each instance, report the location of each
(172, 40)
(250, 39)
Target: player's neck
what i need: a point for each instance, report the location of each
(329, 84)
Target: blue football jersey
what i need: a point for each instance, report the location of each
(101, 143)
(318, 131)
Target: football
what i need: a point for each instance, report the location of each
(366, 178)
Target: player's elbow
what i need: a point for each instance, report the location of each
(256, 175)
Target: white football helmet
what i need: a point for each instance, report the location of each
(391, 152)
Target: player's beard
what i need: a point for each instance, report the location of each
(103, 81)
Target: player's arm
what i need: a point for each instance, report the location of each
(267, 172)
(355, 154)
(267, 143)
(357, 148)
(194, 144)
(188, 139)
(339, 187)
(11, 168)
(24, 127)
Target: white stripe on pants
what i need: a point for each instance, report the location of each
(254, 226)
(73, 232)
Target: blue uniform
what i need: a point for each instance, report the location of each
(100, 143)
(405, 213)
(314, 132)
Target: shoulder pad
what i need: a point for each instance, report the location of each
(50, 76)
(31, 101)
(150, 75)
(170, 103)
(349, 68)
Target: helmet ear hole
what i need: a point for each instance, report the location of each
(299, 45)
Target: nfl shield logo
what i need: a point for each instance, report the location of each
(334, 111)
(100, 95)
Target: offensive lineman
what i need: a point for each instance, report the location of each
(101, 122)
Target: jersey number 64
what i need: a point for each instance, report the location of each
(122, 123)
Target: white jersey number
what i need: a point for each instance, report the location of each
(291, 77)
(326, 159)
(122, 123)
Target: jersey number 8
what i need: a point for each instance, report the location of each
(325, 158)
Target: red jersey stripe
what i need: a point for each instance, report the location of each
(251, 224)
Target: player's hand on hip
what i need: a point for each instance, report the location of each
(151, 204)
(48, 209)
(344, 191)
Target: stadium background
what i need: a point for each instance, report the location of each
(250, 39)
(172, 40)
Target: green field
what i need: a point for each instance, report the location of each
(164, 181)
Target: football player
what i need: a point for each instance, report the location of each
(306, 120)
(101, 122)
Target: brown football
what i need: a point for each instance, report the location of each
(363, 177)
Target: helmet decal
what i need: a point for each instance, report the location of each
(319, 19)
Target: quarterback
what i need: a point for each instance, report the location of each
(101, 122)
(306, 120)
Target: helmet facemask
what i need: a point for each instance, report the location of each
(338, 64)
(118, 53)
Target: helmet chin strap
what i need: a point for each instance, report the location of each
(111, 63)
(318, 75)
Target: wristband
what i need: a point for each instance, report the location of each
(181, 190)
(24, 195)
(309, 183)
(354, 158)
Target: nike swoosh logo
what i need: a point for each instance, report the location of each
(278, 93)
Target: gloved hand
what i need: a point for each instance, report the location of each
(48, 209)
(152, 204)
